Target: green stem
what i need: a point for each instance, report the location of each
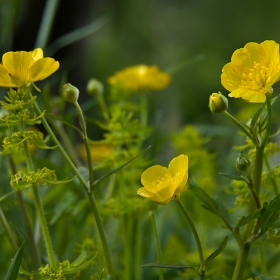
(240, 125)
(143, 109)
(34, 249)
(197, 240)
(128, 227)
(159, 253)
(84, 129)
(46, 23)
(40, 212)
(138, 248)
(241, 262)
(273, 181)
(86, 188)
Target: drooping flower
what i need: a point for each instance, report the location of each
(162, 184)
(252, 71)
(20, 68)
(141, 78)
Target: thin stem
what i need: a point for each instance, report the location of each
(240, 125)
(241, 262)
(40, 211)
(143, 109)
(84, 129)
(197, 240)
(34, 249)
(86, 188)
(128, 227)
(138, 248)
(273, 181)
(159, 253)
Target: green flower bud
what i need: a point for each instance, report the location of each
(70, 93)
(218, 103)
(95, 87)
(243, 162)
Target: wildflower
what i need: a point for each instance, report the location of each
(20, 68)
(70, 93)
(162, 184)
(218, 103)
(252, 71)
(141, 78)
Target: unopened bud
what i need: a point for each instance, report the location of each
(70, 93)
(218, 103)
(243, 162)
(95, 87)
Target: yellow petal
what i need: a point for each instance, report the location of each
(230, 78)
(249, 96)
(247, 56)
(17, 64)
(152, 175)
(37, 54)
(5, 80)
(178, 169)
(162, 196)
(42, 68)
(271, 48)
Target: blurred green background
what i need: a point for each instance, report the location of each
(194, 37)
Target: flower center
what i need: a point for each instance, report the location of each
(256, 78)
(163, 182)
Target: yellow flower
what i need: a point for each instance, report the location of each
(141, 78)
(252, 71)
(98, 151)
(20, 68)
(162, 184)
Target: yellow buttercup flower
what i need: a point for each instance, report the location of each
(252, 71)
(20, 68)
(141, 78)
(162, 184)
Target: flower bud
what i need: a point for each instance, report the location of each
(70, 93)
(95, 87)
(243, 162)
(218, 103)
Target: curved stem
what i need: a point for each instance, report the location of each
(240, 125)
(159, 253)
(197, 240)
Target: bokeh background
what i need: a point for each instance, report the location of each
(192, 39)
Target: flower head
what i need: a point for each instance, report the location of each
(141, 78)
(218, 103)
(20, 68)
(162, 184)
(252, 71)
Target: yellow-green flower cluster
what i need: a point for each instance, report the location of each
(252, 71)
(141, 78)
(162, 184)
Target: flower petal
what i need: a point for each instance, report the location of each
(271, 48)
(17, 64)
(153, 174)
(178, 169)
(230, 77)
(162, 196)
(5, 80)
(37, 54)
(249, 96)
(42, 68)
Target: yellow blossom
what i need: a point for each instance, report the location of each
(252, 71)
(162, 184)
(98, 151)
(141, 78)
(20, 68)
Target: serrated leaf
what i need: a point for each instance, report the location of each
(67, 123)
(270, 214)
(158, 265)
(234, 177)
(218, 251)
(15, 265)
(245, 219)
(118, 168)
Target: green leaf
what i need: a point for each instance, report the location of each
(6, 195)
(245, 219)
(218, 251)
(270, 214)
(118, 168)
(14, 267)
(67, 123)
(158, 265)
